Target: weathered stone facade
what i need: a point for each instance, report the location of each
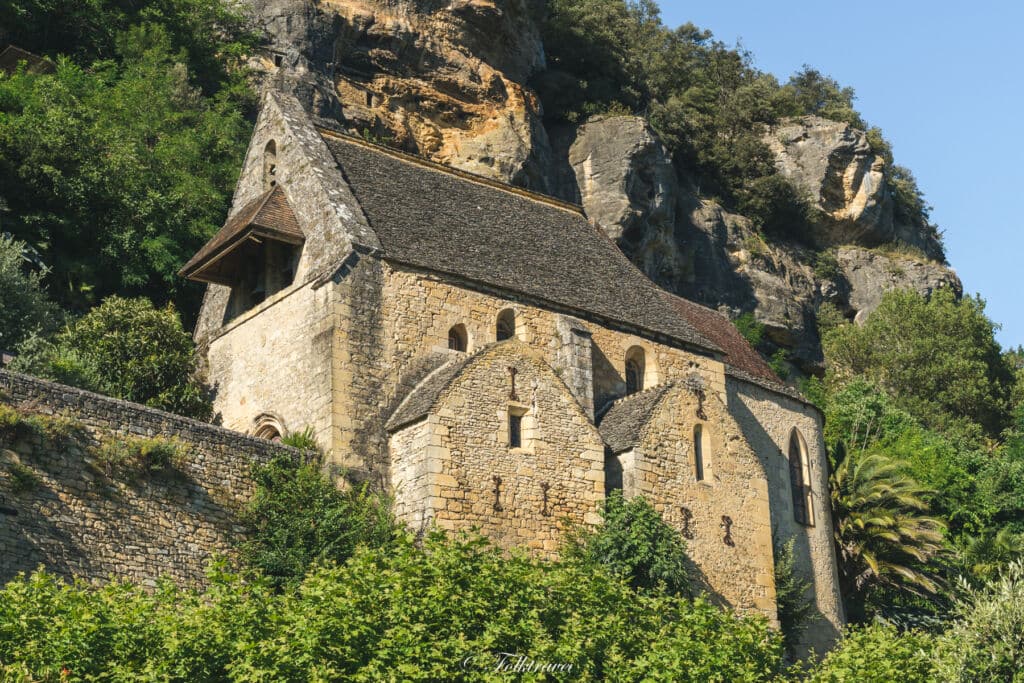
(388, 343)
(79, 521)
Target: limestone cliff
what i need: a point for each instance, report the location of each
(447, 80)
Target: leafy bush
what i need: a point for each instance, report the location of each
(299, 517)
(23, 478)
(984, 643)
(304, 440)
(792, 598)
(118, 170)
(636, 544)
(135, 457)
(443, 611)
(751, 330)
(25, 308)
(879, 654)
(128, 349)
(826, 266)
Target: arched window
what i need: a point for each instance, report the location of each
(701, 452)
(270, 165)
(506, 326)
(800, 479)
(457, 338)
(635, 370)
(268, 427)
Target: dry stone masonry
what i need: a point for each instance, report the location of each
(78, 520)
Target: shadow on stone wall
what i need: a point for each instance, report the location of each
(819, 627)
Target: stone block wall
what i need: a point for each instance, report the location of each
(724, 516)
(80, 520)
(767, 420)
(458, 469)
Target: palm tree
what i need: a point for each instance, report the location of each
(985, 555)
(884, 539)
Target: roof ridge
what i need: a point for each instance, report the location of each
(458, 172)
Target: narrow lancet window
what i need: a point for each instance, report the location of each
(457, 338)
(635, 367)
(506, 325)
(698, 452)
(515, 430)
(800, 479)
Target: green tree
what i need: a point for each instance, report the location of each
(936, 356)
(795, 604)
(878, 653)
(128, 349)
(884, 539)
(300, 518)
(634, 543)
(25, 307)
(984, 643)
(119, 172)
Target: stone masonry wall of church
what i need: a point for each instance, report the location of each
(767, 419)
(725, 517)
(471, 477)
(78, 519)
(414, 311)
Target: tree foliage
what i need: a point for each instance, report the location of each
(884, 539)
(636, 544)
(299, 517)
(985, 643)
(125, 348)
(936, 356)
(25, 307)
(118, 171)
(444, 611)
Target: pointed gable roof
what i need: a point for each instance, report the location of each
(623, 424)
(447, 221)
(268, 216)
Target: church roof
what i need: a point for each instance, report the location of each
(720, 330)
(423, 397)
(429, 216)
(269, 216)
(12, 55)
(621, 426)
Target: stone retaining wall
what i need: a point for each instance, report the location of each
(78, 518)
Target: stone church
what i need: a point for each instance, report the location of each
(490, 357)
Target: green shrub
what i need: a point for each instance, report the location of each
(128, 349)
(984, 642)
(751, 330)
(140, 456)
(633, 543)
(23, 478)
(304, 441)
(298, 517)
(792, 596)
(438, 612)
(879, 654)
(25, 308)
(826, 266)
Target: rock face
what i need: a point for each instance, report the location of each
(846, 181)
(871, 274)
(625, 180)
(443, 83)
(447, 81)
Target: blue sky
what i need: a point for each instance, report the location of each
(944, 82)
